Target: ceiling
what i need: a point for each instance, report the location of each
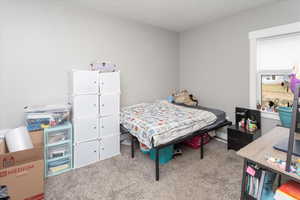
(175, 15)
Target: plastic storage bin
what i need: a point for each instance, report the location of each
(285, 115)
(40, 117)
(165, 154)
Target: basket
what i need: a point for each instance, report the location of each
(285, 115)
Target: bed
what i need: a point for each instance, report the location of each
(161, 123)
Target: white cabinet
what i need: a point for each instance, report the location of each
(109, 104)
(85, 82)
(96, 110)
(85, 105)
(86, 153)
(109, 125)
(85, 129)
(109, 146)
(109, 82)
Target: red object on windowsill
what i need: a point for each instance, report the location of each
(195, 142)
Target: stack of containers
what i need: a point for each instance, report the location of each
(54, 120)
(58, 154)
(96, 107)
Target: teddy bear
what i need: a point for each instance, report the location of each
(184, 97)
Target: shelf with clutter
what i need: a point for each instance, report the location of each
(248, 119)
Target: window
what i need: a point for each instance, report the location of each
(276, 57)
(273, 51)
(275, 88)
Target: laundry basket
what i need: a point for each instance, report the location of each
(285, 115)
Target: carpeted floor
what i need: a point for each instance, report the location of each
(216, 177)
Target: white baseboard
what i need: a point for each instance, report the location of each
(221, 136)
(221, 140)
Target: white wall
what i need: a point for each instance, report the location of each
(214, 58)
(41, 41)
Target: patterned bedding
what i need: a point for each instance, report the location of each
(161, 122)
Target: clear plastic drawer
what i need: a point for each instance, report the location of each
(59, 151)
(58, 166)
(58, 136)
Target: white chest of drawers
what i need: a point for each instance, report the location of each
(96, 107)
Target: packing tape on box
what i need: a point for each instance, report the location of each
(18, 139)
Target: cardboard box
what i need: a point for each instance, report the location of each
(22, 172)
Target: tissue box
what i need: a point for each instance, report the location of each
(20, 168)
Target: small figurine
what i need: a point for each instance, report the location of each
(258, 106)
(242, 123)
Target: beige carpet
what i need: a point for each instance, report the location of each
(216, 177)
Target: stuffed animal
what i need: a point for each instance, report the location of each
(295, 78)
(184, 97)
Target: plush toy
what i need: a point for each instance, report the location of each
(295, 78)
(184, 97)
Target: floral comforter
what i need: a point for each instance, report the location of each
(161, 122)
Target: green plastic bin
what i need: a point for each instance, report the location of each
(165, 154)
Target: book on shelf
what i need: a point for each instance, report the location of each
(256, 184)
(261, 185)
(288, 191)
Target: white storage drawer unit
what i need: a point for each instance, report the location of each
(96, 111)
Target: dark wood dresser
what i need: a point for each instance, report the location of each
(239, 137)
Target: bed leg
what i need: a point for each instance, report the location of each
(202, 148)
(157, 165)
(279, 180)
(132, 146)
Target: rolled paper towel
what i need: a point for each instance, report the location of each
(18, 139)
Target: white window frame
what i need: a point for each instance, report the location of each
(254, 74)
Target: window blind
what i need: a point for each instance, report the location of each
(278, 53)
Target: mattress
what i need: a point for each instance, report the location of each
(160, 122)
(221, 115)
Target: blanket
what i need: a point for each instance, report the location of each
(161, 122)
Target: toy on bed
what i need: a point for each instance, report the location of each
(184, 97)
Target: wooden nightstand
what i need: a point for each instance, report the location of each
(239, 137)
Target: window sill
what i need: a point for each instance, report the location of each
(270, 115)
